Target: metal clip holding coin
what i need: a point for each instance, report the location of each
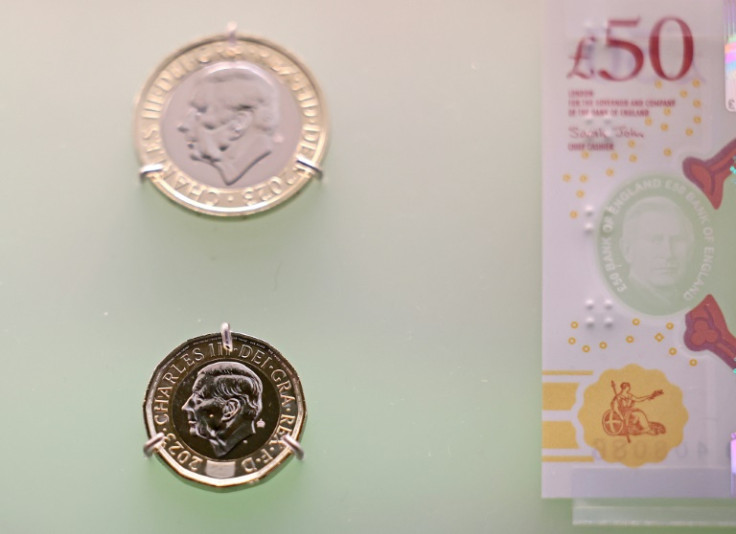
(224, 409)
(231, 125)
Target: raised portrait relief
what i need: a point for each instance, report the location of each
(224, 405)
(657, 243)
(231, 121)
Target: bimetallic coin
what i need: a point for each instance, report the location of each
(230, 126)
(226, 417)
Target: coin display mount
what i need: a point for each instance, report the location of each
(224, 410)
(230, 125)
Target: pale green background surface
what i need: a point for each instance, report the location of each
(405, 288)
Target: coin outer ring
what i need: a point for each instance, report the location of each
(158, 409)
(187, 190)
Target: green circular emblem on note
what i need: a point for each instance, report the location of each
(656, 244)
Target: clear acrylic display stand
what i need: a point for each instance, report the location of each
(654, 512)
(693, 497)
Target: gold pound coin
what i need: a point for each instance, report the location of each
(230, 126)
(225, 417)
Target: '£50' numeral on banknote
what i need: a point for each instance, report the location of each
(584, 61)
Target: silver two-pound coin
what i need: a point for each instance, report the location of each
(225, 417)
(230, 126)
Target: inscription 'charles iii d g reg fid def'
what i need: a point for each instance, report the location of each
(231, 126)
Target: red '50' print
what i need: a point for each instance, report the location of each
(584, 61)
